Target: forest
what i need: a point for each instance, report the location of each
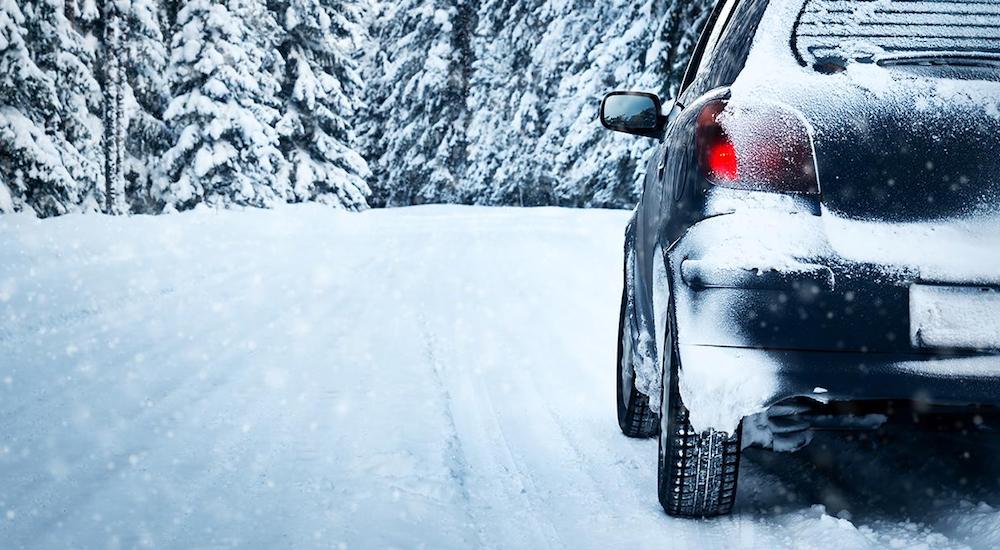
(157, 106)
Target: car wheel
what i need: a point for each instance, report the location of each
(697, 472)
(635, 418)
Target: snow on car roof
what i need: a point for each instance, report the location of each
(860, 29)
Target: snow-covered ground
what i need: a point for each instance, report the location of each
(436, 377)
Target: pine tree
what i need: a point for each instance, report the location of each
(223, 79)
(29, 163)
(146, 96)
(679, 25)
(65, 51)
(506, 116)
(601, 48)
(559, 59)
(114, 107)
(322, 87)
(420, 81)
(49, 100)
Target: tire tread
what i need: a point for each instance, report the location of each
(702, 475)
(698, 471)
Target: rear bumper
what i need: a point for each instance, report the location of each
(939, 379)
(765, 279)
(721, 385)
(765, 315)
(809, 306)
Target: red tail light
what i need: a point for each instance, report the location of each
(721, 160)
(765, 147)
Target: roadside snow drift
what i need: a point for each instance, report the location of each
(437, 377)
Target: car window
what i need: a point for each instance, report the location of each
(720, 26)
(730, 55)
(828, 34)
(704, 43)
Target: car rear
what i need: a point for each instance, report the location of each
(850, 246)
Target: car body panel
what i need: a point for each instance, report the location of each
(908, 196)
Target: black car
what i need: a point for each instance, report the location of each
(818, 237)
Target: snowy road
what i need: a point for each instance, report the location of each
(436, 377)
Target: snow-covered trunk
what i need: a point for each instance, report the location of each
(114, 109)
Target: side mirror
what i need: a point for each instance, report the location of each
(633, 113)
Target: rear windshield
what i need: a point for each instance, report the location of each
(840, 31)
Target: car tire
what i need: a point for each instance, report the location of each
(635, 417)
(697, 472)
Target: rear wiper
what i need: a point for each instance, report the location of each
(951, 59)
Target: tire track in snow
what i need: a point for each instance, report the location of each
(455, 456)
(560, 493)
(546, 531)
(552, 388)
(527, 381)
(501, 463)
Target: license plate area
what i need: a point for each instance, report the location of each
(955, 317)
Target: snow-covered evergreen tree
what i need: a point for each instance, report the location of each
(66, 51)
(223, 78)
(258, 102)
(114, 106)
(524, 121)
(506, 112)
(599, 47)
(419, 82)
(29, 161)
(579, 51)
(49, 100)
(585, 45)
(146, 97)
(321, 90)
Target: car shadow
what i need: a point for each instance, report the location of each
(894, 474)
